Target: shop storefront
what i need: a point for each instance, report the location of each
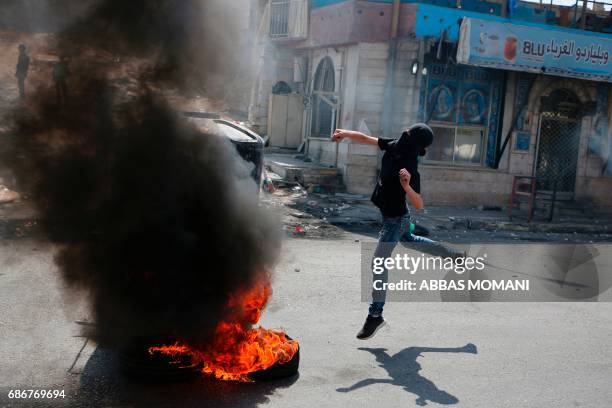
(559, 86)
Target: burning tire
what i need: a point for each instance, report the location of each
(278, 371)
(136, 361)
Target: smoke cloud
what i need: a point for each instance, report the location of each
(157, 222)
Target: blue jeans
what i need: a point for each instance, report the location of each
(394, 230)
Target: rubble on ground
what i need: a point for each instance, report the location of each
(316, 215)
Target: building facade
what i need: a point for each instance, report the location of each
(509, 92)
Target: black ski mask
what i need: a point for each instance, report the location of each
(414, 140)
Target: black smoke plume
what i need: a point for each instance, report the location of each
(156, 221)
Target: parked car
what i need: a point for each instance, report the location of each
(249, 144)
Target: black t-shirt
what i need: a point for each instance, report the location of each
(392, 192)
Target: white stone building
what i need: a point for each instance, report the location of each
(384, 65)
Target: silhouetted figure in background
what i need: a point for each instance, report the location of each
(61, 73)
(23, 66)
(403, 369)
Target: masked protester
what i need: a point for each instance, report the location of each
(21, 72)
(398, 179)
(61, 73)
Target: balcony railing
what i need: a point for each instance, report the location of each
(592, 15)
(288, 19)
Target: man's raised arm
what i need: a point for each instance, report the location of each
(357, 137)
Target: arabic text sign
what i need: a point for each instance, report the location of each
(534, 49)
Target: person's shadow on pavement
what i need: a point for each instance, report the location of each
(403, 369)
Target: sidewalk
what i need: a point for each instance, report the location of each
(286, 171)
(345, 209)
(289, 166)
(471, 218)
(322, 212)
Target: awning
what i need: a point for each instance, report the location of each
(534, 49)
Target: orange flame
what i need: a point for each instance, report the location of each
(237, 348)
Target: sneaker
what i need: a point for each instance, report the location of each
(370, 327)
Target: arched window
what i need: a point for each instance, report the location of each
(324, 99)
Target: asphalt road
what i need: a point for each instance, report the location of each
(461, 354)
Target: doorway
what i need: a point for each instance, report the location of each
(558, 143)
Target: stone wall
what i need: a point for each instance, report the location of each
(406, 89)
(359, 166)
(371, 80)
(322, 151)
(465, 186)
(360, 163)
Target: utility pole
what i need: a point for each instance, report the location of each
(387, 114)
(583, 15)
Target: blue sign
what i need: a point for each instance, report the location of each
(523, 141)
(533, 49)
(523, 88)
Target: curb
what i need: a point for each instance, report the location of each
(565, 228)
